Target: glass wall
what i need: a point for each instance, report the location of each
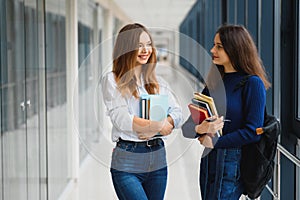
(35, 146)
(59, 153)
(90, 25)
(13, 133)
(19, 93)
(197, 29)
(31, 100)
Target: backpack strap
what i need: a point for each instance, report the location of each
(241, 84)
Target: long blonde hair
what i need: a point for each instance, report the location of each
(124, 61)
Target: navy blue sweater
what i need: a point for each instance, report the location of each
(245, 108)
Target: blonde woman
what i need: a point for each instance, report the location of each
(138, 167)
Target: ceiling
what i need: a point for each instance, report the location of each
(156, 13)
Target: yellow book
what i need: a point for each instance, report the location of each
(207, 99)
(210, 101)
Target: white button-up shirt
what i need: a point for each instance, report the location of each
(121, 110)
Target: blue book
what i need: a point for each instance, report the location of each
(154, 107)
(158, 109)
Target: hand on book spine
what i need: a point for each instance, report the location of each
(210, 128)
(201, 109)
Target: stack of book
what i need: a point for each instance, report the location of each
(154, 107)
(202, 108)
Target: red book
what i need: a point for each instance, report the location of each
(198, 113)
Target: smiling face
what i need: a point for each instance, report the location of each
(145, 49)
(219, 56)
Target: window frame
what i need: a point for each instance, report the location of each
(296, 77)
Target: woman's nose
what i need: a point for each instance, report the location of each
(144, 49)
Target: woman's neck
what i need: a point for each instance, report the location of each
(229, 69)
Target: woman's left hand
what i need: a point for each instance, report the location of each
(210, 128)
(146, 135)
(164, 127)
(206, 141)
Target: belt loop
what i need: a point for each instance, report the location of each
(150, 145)
(147, 143)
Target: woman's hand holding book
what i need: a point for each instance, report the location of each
(208, 129)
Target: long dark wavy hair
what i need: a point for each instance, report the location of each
(125, 60)
(242, 52)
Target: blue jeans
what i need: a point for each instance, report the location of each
(220, 175)
(139, 172)
(142, 186)
(231, 182)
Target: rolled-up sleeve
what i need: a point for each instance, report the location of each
(116, 105)
(174, 109)
(175, 112)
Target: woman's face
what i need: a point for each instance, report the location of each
(145, 49)
(219, 56)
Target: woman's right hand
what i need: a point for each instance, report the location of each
(210, 127)
(164, 127)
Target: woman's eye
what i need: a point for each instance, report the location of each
(217, 46)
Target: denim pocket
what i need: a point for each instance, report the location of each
(231, 187)
(232, 165)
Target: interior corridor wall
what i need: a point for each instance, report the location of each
(35, 145)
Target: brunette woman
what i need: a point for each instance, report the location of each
(235, 55)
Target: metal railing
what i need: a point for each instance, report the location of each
(281, 150)
(276, 178)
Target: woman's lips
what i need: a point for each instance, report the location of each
(143, 56)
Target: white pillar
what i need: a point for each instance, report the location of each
(107, 40)
(72, 91)
(42, 99)
(176, 55)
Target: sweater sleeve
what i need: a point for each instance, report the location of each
(254, 100)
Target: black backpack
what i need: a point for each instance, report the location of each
(257, 163)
